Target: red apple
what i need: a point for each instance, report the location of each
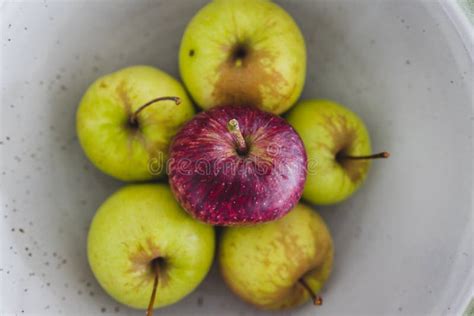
(237, 165)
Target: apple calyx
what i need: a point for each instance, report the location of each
(238, 54)
(156, 267)
(234, 129)
(382, 154)
(317, 300)
(133, 117)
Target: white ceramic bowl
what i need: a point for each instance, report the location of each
(403, 242)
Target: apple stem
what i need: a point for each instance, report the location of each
(133, 117)
(317, 300)
(234, 129)
(383, 154)
(156, 268)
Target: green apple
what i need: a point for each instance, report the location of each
(141, 243)
(279, 264)
(338, 147)
(121, 128)
(243, 52)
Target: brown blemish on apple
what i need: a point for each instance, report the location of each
(141, 257)
(266, 261)
(289, 242)
(343, 136)
(245, 75)
(124, 97)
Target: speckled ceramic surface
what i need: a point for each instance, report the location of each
(403, 242)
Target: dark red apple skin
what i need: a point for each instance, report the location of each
(217, 185)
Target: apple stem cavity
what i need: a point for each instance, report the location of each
(317, 300)
(383, 154)
(133, 117)
(234, 129)
(155, 265)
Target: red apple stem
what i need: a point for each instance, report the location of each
(234, 129)
(133, 117)
(383, 154)
(156, 268)
(317, 300)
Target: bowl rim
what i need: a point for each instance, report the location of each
(459, 18)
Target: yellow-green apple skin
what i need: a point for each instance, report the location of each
(263, 264)
(131, 153)
(136, 225)
(243, 52)
(330, 131)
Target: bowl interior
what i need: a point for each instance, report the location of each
(402, 242)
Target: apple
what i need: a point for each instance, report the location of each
(338, 147)
(278, 265)
(246, 52)
(144, 250)
(237, 165)
(122, 129)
